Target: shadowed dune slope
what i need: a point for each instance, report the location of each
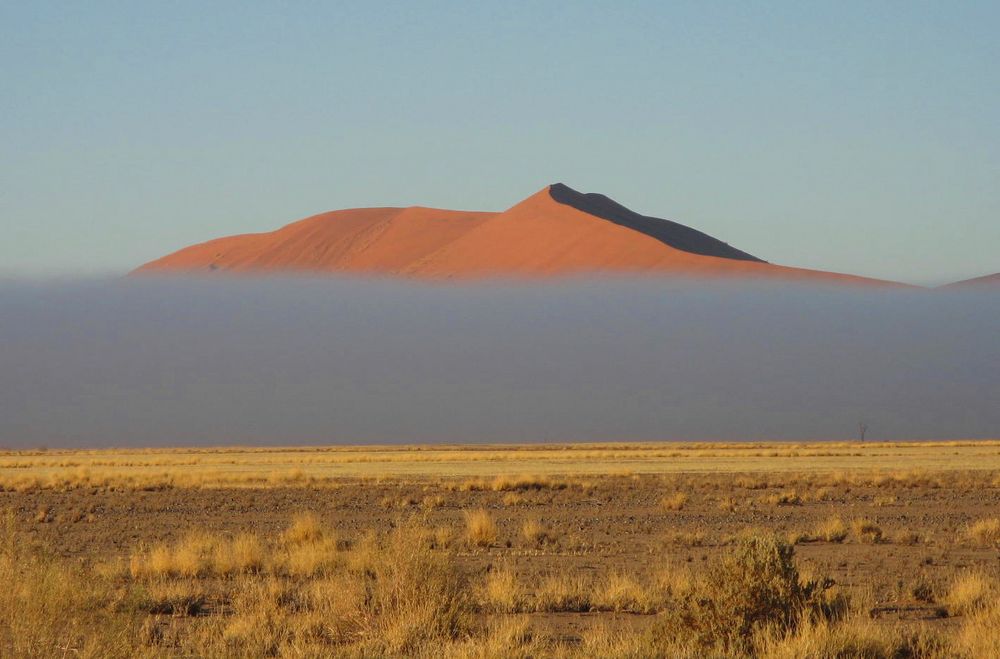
(668, 232)
(555, 232)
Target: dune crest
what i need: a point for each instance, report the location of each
(554, 232)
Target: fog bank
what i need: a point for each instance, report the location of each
(293, 361)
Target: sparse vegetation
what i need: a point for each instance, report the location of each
(191, 553)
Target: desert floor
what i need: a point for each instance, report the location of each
(566, 539)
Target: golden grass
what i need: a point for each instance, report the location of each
(727, 504)
(564, 592)
(501, 591)
(979, 635)
(985, 532)
(866, 531)
(790, 498)
(499, 468)
(695, 538)
(480, 529)
(831, 530)
(971, 591)
(622, 592)
(305, 527)
(674, 501)
(535, 533)
(303, 550)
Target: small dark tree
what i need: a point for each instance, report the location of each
(862, 430)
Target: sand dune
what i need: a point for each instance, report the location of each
(555, 232)
(986, 280)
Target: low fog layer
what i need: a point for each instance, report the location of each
(175, 361)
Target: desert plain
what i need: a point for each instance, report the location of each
(843, 549)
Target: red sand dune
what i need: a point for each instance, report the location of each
(556, 231)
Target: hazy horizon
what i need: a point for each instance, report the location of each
(176, 361)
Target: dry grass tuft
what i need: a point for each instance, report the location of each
(695, 538)
(621, 592)
(675, 501)
(524, 482)
(305, 528)
(480, 529)
(971, 591)
(832, 530)
(514, 499)
(433, 501)
(564, 592)
(727, 504)
(243, 555)
(906, 537)
(790, 498)
(985, 532)
(501, 592)
(858, 637)
(535, 533)
(866, 531)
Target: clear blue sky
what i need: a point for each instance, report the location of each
(860, 137)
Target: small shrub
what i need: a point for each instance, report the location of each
(756, 586)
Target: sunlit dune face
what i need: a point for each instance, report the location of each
(555, 232)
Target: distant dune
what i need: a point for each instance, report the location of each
(986, 280)
(555, 232)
